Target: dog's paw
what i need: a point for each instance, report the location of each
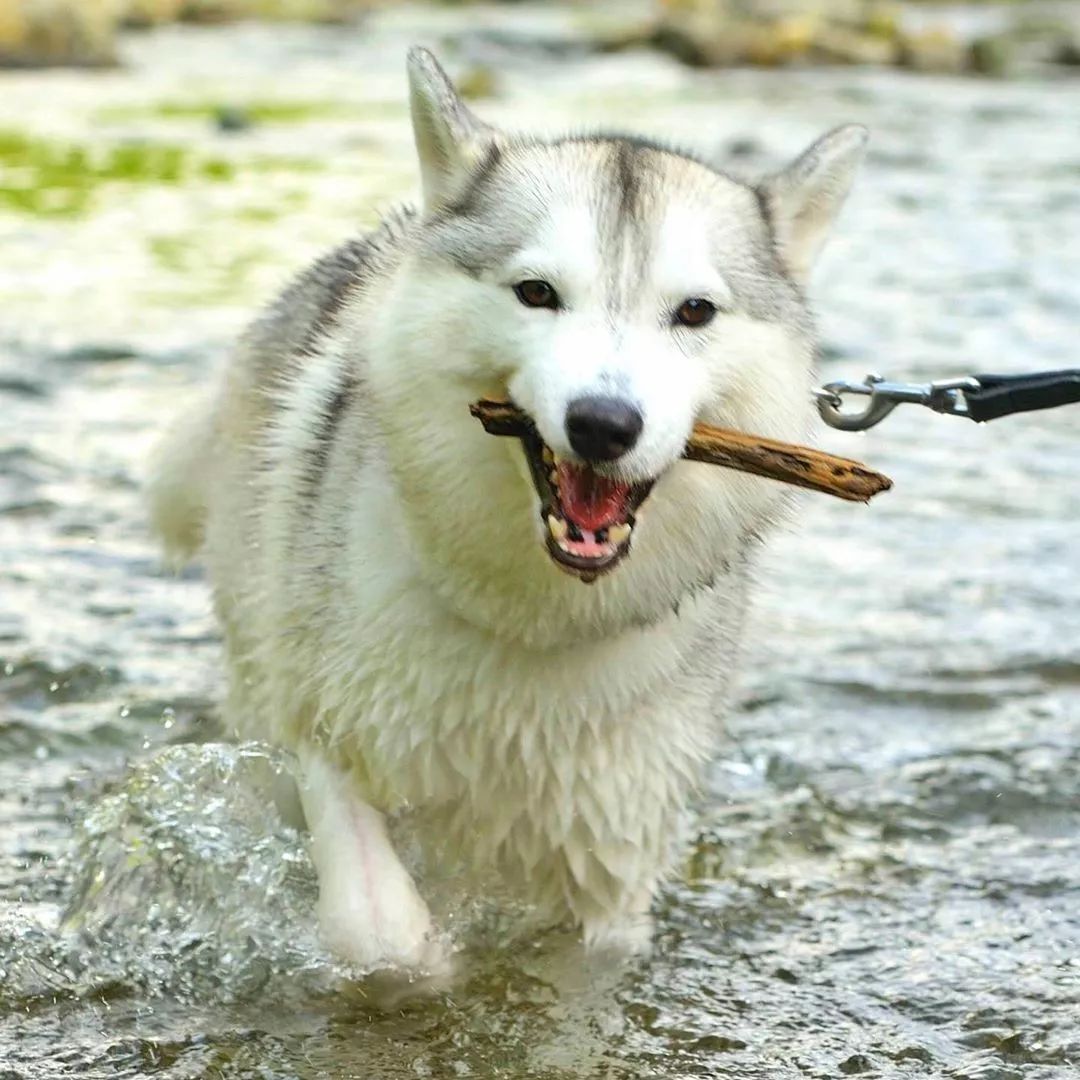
(374, 977)
(383, 937)
(621, 937)
(392, 989)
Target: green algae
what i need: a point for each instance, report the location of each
(58, 179)
(171, 252)
(270, 111)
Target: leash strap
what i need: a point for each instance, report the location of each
(1003, 395)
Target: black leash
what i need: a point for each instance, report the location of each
(1002, 395)
(978, 397)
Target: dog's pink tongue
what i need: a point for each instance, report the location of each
(589, 500)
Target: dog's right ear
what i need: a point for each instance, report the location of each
(450, 140)
(804, 198)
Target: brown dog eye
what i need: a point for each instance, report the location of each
(534, 293)
(695, 312)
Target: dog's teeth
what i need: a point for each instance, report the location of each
(557, 527)
(616, 534)
(548, 456)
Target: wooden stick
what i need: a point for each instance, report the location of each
(799, 465)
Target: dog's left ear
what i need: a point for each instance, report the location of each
(804, 198)
(450, 140)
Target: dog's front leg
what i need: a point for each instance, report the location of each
(624, 932)
(370, 913)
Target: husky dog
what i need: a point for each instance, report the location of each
(534, 642)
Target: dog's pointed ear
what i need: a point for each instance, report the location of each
(450, 140)
(803, 199)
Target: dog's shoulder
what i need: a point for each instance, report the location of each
(294, 324)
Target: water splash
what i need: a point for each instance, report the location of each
(187, 881)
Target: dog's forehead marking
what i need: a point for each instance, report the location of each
(647, 225)
(595, 226)
(628, 226)
(629, 222)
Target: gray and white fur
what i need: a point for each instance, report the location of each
(380, 566)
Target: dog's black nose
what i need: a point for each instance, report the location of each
(602, 428)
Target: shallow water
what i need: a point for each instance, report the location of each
(886, 879)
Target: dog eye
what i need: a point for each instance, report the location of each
(534, 293)
(695, 312)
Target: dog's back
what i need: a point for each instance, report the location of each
(232, 418)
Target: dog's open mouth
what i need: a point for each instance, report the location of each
(588, 518)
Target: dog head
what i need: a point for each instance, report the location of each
(617, 291)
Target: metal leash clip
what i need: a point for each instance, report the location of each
(944, 396)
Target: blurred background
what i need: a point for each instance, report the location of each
(981, 35)
(884, 874)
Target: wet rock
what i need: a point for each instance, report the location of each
(855, 1065)
(1068, 52)
(882, 20)
(991, 55)
(743, 146)
(717, 1044)
(782, 42)
(1036, 39)
(232, 119)
(478, 82)
(211, 11)
(779, 34)
(697, 38)
(878, 33)
(722, 42)
(913, 1053)
(22, 387)
(142, 13)
(96, 353)
(844, 45)
(83, 32)
(743, 156)
(938, 50)
(35, 33)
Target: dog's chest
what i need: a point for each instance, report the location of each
(434, 711)
(569, 769)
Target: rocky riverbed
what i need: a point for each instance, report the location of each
(982, 37)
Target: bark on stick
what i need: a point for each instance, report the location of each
(790, 463)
